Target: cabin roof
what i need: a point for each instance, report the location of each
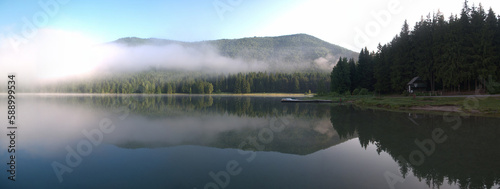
(413, 80)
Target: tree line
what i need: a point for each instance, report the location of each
(349, 76)
(460, 53)
(169, 82)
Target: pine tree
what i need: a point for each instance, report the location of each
(169, 89)
(402, 69)
(489, 56)
(340, 77)
(353, 75)
(209, 88)
(158, 90)
(296, 85)
(383, 61)
(465, 48)
(365, 78)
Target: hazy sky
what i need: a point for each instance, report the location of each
(352, 24)
(53, 39)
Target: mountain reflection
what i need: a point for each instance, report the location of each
(468, 157)
(171, 105)
(212, 121)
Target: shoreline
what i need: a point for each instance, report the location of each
(475, 105)
(175, 94)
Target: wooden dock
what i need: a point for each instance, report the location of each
(292, 100)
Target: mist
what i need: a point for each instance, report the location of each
(327, 62)
(54, 55)
(204, 58)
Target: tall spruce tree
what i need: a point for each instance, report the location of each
(365, 70)
(353, 74)
(340, 77)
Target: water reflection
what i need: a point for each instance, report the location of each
(467, 155)
(175, 141)
(163, 121)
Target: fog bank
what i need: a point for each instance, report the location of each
(55, 55)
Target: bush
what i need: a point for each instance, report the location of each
(420, 94)
(334, 94)
(364, 91)
(405, 93)
(355, 92)
(347, 93)
(321, 93)
(493, 89)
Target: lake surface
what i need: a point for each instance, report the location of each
(133, 141)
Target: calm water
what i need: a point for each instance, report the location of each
(68, 141)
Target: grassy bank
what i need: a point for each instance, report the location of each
(489, 106)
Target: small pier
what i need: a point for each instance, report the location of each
(293, 100)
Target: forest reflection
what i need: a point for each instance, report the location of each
(172, 105)
(468, 156)
(211, 121)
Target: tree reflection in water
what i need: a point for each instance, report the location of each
(468, 157)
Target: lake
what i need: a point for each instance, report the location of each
(181, 141)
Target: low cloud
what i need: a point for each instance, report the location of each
(177, 57)
(327, 62)
(55, 55)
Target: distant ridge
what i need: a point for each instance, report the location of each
(289, 52)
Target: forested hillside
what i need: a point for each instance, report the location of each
(297, 48)
(297, 64)
(455, 54)
(290, 53)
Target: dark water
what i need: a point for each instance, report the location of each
(242, 142)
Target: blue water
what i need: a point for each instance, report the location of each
(242, 142)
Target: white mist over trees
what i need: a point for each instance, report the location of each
(61, 61)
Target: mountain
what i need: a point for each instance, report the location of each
(298, 52)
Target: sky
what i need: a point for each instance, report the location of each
(352, 24)
(34, 30)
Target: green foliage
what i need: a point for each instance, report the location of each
(349, 75)
(286, 53)
(364, 91)
(347, 93)
(334, 94)
(405, 93)
(169, 89)
(158, 90)
(292, 49)
(340, 77)
(355, 92)
(209, 88)
(451, 54)
(363, 76)
(494, 90)
(169, 82)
